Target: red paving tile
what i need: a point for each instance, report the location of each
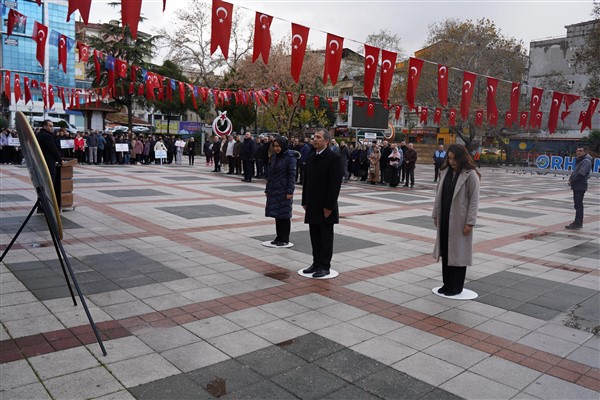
(510, 355)
(10, 355)
(65, 343)
(37, 349)
(564, 374)
(590, 383)
(173, 312)
(538, 365)
(163, 323)
(184, 319)
(574, 366)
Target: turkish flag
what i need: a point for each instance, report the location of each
(467, 93)
(130, 14)
(97, 64)
(51, 97)
(131, 90)
(262, 37)
(15, 18)
(182, 92)
(515, 92)
(371, 61)
(423, 115)
(479, 118)
(17, 87)
(316, 101)
(121, 67)
(84, 51)
(77, 99)
(443, 84)
(62, 52)
(492, 108)
(299, 41)
(386, 73)
(302, 100)
(44, 95)
(194, 93)
(523, 119)
(7, 85)
(40, 34)
(27, 90)
(276, 95)
(141, 89)
(333, 58)
(370, 109)
(437, 116)
(290, 98)
(536, 100)
(569, 99)
(343, 106)
(537, 121)
(557, 99)
(84, 9)
(414, 73)
(397, 112)
(330, 102)
(452, 117)
(61, 94)
(170, 87)
(508, 120)
(204, 93)
(587, 122)
(222, 14)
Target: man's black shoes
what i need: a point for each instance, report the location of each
(573, 226)
(310, 270)
(321, 273)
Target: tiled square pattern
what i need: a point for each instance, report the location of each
(341, 243)
(201, 211)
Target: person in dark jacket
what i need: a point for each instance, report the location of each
(45, 138)
(280, 190)
(216, 149)
(579, 184)
(247, 157)
(208, 153)
(191, 150)
(320, 192)
(410, 160)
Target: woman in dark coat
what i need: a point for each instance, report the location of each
(280, 190)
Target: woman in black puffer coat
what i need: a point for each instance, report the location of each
(280, 189)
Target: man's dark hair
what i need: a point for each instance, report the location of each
(46, 122)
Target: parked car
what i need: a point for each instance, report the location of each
(141, 129)
(493, 155)
(117, 130)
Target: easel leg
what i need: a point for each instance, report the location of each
(62, 264)
(14, 239)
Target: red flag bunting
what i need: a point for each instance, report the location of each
(492, 108)
(84, 9)
(302, 100)
(587, 121)
(84, 51)
(467, 93)
(130, 14)
(299, 41)
(386, 74)
(333, 58)
(51, 97)
(536, 101)
(370, 109)
(371, 62)
(515, 92)
(508, 120)
(222, 14)
(290, 98)
(276, 95)
(437, 117)
(44, 95)
(17, 19)
(343, 105)
(479, 118)
(557, 98)
(97, 64)
(40, 34)
(330, 102)
(523, 119)
(131, 90)
(27, 90)
(423, 115)
(181, 93)
(414, 73)
(7, 85)
(397, 112)
(121, 67)
(443, 85)
(17, 88)
(262, 37)
(193, 95)
(537, 122)
(316, 101)
(61, 94)
(62, 52)
(452, 117)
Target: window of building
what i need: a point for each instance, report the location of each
(571, 83)
(332, 93)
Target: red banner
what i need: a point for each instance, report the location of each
(40, 34)
(523, 119)
(492, 108)
(479, 118)
(414, 73)
(333, 58)
(343, 106)
(452, 117)
(437, 116)
(316, 101)
(84, 51)
(467, 93)
(515, 93)
(536, 100)
(222, 15)
(371, 109)
(371, 62)
(443, 85)
(130, 14)
(7, 85)
(262, 37)
(423, 115)
(557, 98)
(62, 52)
(302, 100)
(397, 112)
(299, 41)
(290, 98)
(589, 114)
(508, 120)
(17, 19)
(386, 74)
(27, 90)
(17, 88)
(84, 9)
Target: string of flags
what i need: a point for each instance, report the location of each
(157, 87)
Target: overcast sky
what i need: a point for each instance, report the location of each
(354, 20)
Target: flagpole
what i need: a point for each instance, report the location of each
(46, 56)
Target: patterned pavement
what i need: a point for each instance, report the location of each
(190, 305)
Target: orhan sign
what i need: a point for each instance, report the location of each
(557, 163)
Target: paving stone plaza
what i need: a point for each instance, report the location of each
(191, 306)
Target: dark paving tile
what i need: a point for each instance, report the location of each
(24, 275)
(185, 178)
(298, 202)
(349, 365)
(586, 250)
(552, 302)
(173, 387)
(341, 243)
(536, 311)
(261, 390)
(52, 293)
(45, 282)
(516, 294)
(503, 279)
(9, 197)
(482, 287)
(439, 394)
(96, 287)
(510, 212)
(92, 180)
(133, 281)
(243, 188)
(127, 192)
(351, 392)
(405, 198)
(311, 347)
(37, 223)
(392, 384)
(201, 211)
(499, 301)
(165, 276)
(271, 361)
(89, 276)
(589, 308)
(234, 374)
(567, 289)
(423, 221)
(309, 382)
(526, 286)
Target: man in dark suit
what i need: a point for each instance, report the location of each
(46, 140)
(320, 191)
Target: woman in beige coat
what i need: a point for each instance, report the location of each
(373, 173)
(454, 215)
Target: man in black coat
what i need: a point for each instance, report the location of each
(247, 156)
(320, 191)
(46, 140)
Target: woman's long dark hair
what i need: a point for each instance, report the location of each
(462, 157)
